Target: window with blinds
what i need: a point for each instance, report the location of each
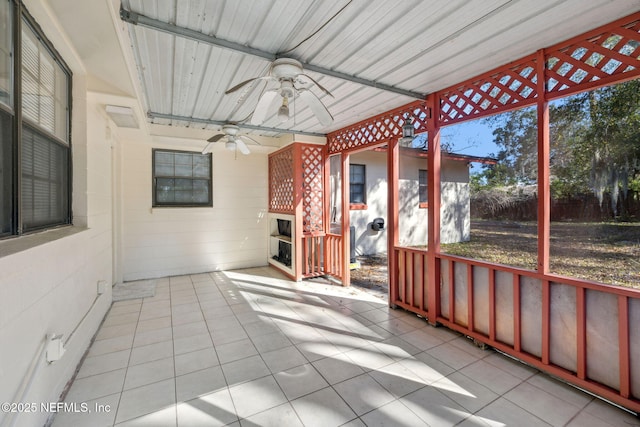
(181, 178)
(6, 50)
(357, 192)
(423, 195)
(44, 86)
(35, 187)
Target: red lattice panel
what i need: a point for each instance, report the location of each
(312, 159)
(379, 129)
(281, 196)
(505, 88)
(597, 58)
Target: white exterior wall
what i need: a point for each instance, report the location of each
(48, 280)
(455, 209)
(159, 242)
(369, 241)
(455, 205)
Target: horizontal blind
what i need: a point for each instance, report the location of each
(6, 173)
(6, 65)
(44, 87)
(45, 177)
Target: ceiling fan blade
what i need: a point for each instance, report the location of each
(316, 106)
(215, 138)
(242, 146)
(249, 138)
(322, 88)
(242, 84)
(208, 148)
(262, 109)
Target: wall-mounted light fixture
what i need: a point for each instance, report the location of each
(408, 131)
(124, 117)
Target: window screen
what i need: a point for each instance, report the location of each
(181, 178)
(357, 183)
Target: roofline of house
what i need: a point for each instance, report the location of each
(419, 152)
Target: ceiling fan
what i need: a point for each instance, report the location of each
(290, 76)
(234, 141)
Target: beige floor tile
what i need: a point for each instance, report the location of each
(150, 372)
(96, 386)
(502, 412)
(299, 381)
(282, 415)
(149, 399)
(198, 383)
(397, 379)
(452, 355)
(256, 396)
(560, 390)
(270, 342)
(209, 410)
(192, 343)
(542, 404)
(103, 414)
(393, 414)
(363, 394)
(104, 363)
(115, 331)
(153, 324)
(464, 391)
(163, 418)
(152, 336)
(195, 361)
(323, 408)
(337, 369)
(490, 376)
(111, 345)
(235, 350)
(435, 408)
(247, 369)
(148, 353)
(283, 358)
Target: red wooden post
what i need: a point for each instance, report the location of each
(544, 197)
(298, 191)
(433, 197)
(623, 346)
(346, 222)
(393, 162)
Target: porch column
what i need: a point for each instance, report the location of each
(393, 162)
(433, 195)
(544, 196)
(346, 222)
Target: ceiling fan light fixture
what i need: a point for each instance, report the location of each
(283, 111)
(230, 145)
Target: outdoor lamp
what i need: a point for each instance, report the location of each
(407, 132)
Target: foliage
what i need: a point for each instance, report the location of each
(595, 147)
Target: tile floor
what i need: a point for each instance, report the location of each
(251, 348)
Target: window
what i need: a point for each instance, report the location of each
(357, 184)
(423, 197)
(181, 179)
(35, 161)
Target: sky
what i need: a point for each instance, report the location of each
(473, 138)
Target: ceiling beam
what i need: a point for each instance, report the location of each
(153, 115)
(147, 22)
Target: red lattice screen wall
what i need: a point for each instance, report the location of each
(281, 196)
(312, 158)
(380, 128)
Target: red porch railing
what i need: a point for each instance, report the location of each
(322, 254)
(578, 331)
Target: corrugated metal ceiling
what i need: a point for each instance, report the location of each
(417, 45)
